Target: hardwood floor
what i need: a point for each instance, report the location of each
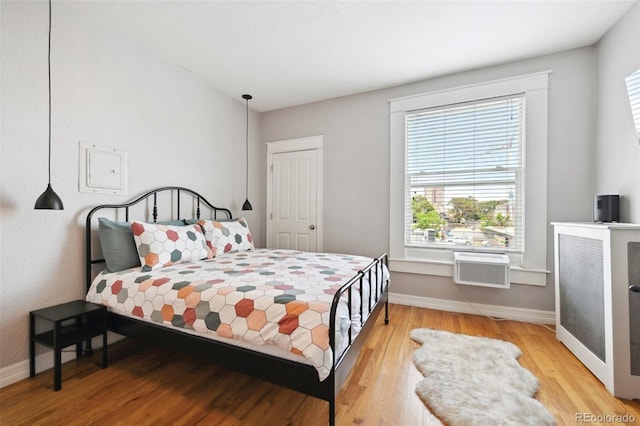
(144, 385)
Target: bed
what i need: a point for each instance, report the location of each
(195, 281)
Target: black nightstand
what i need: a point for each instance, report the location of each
(73, 323)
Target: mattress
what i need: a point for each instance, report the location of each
(272, 301)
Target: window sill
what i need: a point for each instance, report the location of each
(537, 277)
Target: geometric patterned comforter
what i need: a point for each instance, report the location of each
(263, 296)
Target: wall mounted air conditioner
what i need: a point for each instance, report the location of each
(481, 269)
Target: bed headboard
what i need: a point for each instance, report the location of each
(175, 196)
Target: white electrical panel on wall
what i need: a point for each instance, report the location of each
(103, 169)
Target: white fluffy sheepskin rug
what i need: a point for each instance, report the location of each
(476, 381)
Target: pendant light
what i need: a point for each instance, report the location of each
(247, 204)
(49, 200)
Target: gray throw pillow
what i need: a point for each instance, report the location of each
(118, 247)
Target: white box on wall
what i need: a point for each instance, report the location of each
(103, 169)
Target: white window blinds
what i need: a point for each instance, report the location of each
(464, 175)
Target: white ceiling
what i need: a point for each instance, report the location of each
(288, 53)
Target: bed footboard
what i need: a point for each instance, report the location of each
(371, 282)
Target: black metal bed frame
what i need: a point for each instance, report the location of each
(296, 376)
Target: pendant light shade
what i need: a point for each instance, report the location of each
(247, 204)
(49, 200)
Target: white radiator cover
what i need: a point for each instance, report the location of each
(596, 314)
(481, 269)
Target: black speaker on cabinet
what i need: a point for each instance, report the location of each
(606, 208)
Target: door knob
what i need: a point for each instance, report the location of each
(635, 288)
(312, 227)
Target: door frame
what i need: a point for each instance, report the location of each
(292, 145)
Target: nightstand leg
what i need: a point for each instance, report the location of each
(104, 352)
(57, 370)
(104, 341)
(57, 359)
(32, 345)
(79, 344)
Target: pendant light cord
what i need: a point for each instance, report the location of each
(49, 67)
(247, 150)
(247, 204)
(49, 200)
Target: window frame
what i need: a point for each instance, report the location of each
(533, 268)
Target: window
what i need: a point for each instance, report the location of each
(464, 176)
(468, 165)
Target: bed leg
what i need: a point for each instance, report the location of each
(386, 312)
(332, 411)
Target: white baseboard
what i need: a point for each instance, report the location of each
(20, 370)
(507, 312)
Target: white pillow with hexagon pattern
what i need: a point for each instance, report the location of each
(166, 245)
(227, 236)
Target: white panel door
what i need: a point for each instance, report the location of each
(294, 201)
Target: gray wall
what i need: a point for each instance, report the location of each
(617, 148)
(356, 166)
(356, 179)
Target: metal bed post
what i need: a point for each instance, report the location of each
(155, 207)
(386, 302)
